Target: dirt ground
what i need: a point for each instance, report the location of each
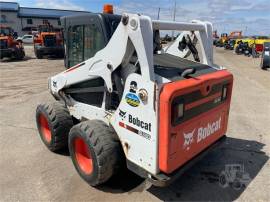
(29, 172)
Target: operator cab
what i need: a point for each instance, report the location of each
(45, 28)
(87, 34)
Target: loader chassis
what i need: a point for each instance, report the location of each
(165, 110)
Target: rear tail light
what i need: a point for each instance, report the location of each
(224, 92)
(177, 111)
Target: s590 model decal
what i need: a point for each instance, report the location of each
(134, 130)
(201, 133)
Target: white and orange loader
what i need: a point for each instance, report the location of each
(133, 103)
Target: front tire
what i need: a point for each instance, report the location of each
(38, 54)
(20, 54)
(223, 180)
(95, 151)
(54, 123)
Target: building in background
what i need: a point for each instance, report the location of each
(23, 19)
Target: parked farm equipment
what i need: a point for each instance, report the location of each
(9, 46)
(48, 42)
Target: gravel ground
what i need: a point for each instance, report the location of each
(29, 172)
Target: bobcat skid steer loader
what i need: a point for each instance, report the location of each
(125, 101)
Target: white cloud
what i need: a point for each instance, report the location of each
(59, 4)
(226, 15)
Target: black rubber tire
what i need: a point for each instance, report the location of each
(223, 181)
(19, 55)
(59, 123)
(38, 54)
(104, 147)
(61, 54)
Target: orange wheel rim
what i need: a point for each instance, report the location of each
(83, 156)
(45, 129)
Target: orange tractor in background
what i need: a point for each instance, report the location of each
(221, 40)
(235, 35)
(48, 42)
(9, 46)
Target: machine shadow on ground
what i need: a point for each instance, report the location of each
(222, 175)
(8, 60)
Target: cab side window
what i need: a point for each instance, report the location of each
(93, 41)
(75, 45)
(83, 43)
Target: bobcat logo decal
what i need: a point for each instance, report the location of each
(122, 114)
(188, 139)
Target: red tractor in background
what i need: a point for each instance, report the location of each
(48, 42)
(9, 46)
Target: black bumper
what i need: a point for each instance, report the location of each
(50, 50)
(8, 52)
(162, 179)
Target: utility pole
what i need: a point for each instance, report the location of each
(158, 13)
(174, 12)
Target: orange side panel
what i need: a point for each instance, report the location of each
(175, 148)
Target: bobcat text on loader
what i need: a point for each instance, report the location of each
(125, 101)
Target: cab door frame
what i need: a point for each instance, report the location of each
(83, 20)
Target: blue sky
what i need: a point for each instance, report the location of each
(251, 16)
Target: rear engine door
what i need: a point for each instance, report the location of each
(193, 114)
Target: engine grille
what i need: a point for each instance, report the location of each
(195, 103)
(49, 41)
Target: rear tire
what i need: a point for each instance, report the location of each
(60, 54)
(19, 55)
(54, 123)
(38, 54)
(95, 151)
